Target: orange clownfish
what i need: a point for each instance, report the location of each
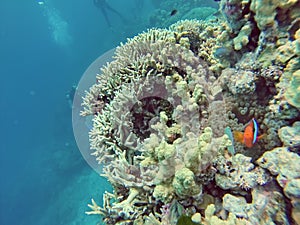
(250, 135)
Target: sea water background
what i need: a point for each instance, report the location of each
(44, 50)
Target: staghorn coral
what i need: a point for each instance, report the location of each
(126, 61)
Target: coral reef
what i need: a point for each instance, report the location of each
(160, 110)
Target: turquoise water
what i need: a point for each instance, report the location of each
(45, 48)
(44, 51)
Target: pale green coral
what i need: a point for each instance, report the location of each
(267, 207)
(205, 137)
(267, 55)
(292, 189)
(150, 144)
(285, 52)
(184, 183)
(164, 151)
(192, 156)
(162, 192)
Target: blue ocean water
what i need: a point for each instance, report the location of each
(45, 47)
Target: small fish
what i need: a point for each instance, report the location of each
(174, 11)
(250, 135)
(230, 136)
(223, 52)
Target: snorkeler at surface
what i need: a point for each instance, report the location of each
(105, 7)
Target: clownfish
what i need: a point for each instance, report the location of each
(250, 135)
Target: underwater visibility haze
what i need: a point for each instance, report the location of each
(150, 112)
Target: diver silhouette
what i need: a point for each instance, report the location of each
(105, 7)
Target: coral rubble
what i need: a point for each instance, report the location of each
(161, 108)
